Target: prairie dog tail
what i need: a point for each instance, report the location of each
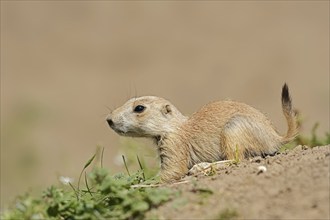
(289, 114)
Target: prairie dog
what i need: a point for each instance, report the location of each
(218, 131)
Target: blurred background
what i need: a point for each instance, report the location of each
(63, 64)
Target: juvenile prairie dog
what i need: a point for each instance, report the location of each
(218, 131)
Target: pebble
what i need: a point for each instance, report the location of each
(262, 169)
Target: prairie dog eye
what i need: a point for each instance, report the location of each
(139, 108)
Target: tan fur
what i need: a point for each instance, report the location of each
(218, 131)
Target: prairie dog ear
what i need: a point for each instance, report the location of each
(166, 109)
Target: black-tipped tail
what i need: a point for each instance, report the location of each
(289, 113)
(286, 99)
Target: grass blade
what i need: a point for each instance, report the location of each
(89, 161)
(86, 182)
(102, 157)
(144, 177)
(125, 165)
(86, 165)
(76, 192)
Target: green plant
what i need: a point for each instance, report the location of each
(312, 141)
(227, 214)
(103, 197)
(237, 160)
(132, 150)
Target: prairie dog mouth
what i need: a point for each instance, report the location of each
(120, 131)
(115, 128)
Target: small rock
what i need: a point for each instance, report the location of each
(298, 148)
(261, 169)
(305, 147)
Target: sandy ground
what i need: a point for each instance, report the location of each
(295, 186)
(65, 63)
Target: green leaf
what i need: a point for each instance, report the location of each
(86, 165)
(89, 161)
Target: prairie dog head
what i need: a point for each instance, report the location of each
(146, 116)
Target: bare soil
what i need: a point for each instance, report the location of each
(295, 186)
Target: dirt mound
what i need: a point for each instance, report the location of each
(294, 186)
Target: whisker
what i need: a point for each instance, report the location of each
(110, 109)
(103, 115)
(128, 94)
(135, 92)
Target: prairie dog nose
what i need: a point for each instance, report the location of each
(110, 122)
